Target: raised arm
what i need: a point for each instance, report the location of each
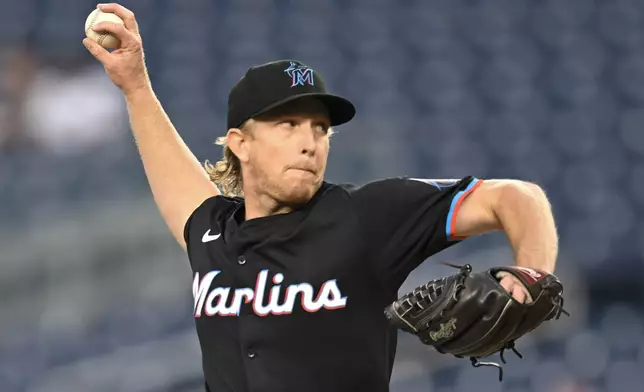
(178, 182)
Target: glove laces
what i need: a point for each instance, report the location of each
(509, 346)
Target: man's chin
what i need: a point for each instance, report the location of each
(300, 193)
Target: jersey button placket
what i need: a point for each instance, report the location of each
(241, 260)
(251, 354)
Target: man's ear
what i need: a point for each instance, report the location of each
(237, 141)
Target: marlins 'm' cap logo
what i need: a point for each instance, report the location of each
(299, 74)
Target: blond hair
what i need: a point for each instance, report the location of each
(227, 172)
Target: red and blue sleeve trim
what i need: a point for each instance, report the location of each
(456, 205)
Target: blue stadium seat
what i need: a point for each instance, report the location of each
(425, 29)
(550, 28)
(629, 127)
(471, 378)
(636, 184)
(17, 24)
(584, 56)
(488, 26)
(589, 239)
(587, 354)
(505, 82)
(509, 134)
(192, 7)
(549, 375)
(368, 80)
(363, 32)
(573, 12)
(624, 376)
(253, 6)
(305, 27)
(574, 133)
(619, 24)
(622, 325)
(435, 82)
(311, 7)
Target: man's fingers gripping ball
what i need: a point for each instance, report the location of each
(106, 29)
(125, 14)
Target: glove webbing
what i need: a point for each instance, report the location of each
(428, 293)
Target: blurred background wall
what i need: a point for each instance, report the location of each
(95, 294)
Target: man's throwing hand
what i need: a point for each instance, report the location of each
(125, 66)
(513, 285)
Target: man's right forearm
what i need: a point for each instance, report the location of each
(178, 182)
(159, 143)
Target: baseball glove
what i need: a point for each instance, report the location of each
(471, 315)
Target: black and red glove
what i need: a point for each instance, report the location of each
(470, 315)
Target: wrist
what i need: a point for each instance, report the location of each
(138, 93)
(544, 265)
(140, 85)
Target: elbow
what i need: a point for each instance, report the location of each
(496, 204)
(534, 189)
(535, 192)
(521, 193)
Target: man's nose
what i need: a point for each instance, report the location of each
(307, 140)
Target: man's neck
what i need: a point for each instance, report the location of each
(262, 205)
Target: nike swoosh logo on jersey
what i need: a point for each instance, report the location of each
(207, 237)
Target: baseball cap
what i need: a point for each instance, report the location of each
(267, 86)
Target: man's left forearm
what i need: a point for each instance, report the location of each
(525, 214)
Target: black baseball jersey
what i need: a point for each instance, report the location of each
(294, 302)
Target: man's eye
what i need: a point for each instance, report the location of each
(288, 123)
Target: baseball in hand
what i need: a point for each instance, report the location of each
(106, 40)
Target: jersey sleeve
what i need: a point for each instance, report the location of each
(202, 218)
(407, 220)
(203, 209)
